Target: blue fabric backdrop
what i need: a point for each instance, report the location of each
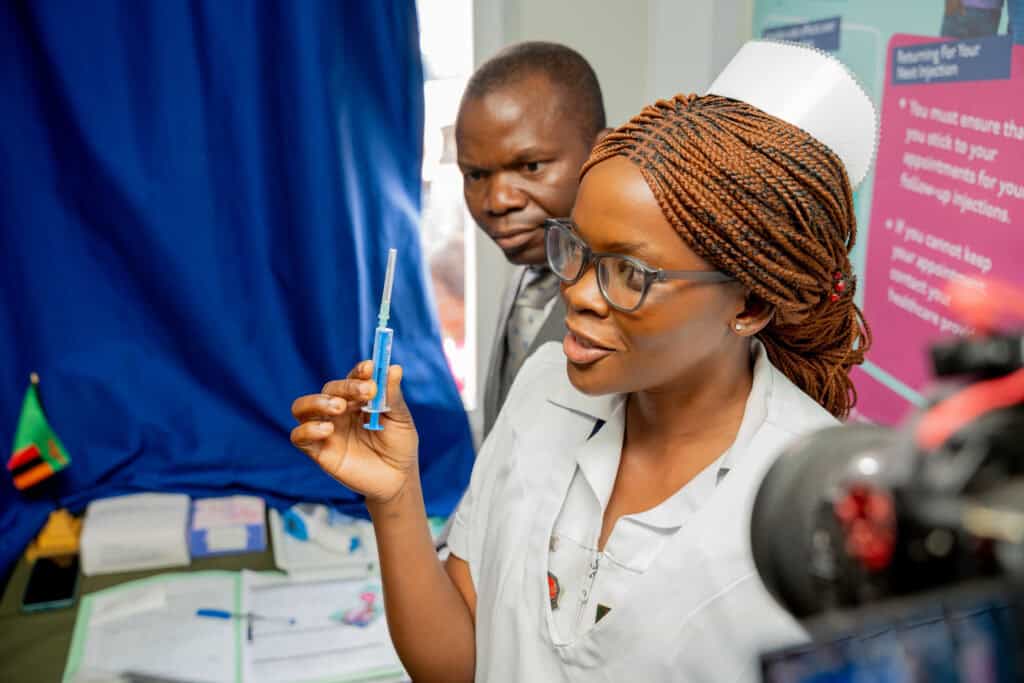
(196, 200)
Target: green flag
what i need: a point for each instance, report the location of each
(37, 454)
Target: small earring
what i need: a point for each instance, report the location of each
(739, 326)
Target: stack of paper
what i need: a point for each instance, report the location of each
(139, 531)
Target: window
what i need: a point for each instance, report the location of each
(446, 45)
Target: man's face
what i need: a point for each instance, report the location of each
(520, 156)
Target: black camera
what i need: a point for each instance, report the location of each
(902, 550)
(858, 513)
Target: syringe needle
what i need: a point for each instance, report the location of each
(389, 281)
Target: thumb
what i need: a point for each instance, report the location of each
(399, 410)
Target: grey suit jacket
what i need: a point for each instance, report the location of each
(553, 329)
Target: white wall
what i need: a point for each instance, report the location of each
(642, 50)
(690, 41)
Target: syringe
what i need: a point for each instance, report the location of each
(382, 337)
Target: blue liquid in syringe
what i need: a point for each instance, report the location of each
(382, 339)
(381, 361)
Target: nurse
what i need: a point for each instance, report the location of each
(605, 533)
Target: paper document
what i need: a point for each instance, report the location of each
(319, 646)
(150, 628)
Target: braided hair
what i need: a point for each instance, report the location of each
(768, 204)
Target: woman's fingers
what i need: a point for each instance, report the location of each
(351, 390)
(337, 397)
(318, 407)
(309, 437)
(396, 401)
(362, 370)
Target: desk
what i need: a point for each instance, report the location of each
(34, 647)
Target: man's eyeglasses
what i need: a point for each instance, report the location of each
(623, 280)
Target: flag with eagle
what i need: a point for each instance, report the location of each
(38, 453)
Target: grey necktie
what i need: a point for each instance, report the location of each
(524, 322)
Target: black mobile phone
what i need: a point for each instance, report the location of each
(52, 584)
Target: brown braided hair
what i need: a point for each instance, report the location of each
(770, 205)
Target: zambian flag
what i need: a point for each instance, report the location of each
(38, 453)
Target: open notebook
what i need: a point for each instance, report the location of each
(149, 628)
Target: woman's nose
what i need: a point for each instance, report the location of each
(584, 295)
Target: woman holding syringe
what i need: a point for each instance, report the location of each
(605, 533)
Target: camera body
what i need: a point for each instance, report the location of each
(858, 514)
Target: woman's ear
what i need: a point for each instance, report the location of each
(756, 314)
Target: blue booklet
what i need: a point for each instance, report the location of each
(230, 525)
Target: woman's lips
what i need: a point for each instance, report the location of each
(581, 351)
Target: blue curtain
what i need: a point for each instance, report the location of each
(196, 201)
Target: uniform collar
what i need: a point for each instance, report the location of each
(755, 412)
(565, 395)
(599, 459)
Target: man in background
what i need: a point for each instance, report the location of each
(526, 124)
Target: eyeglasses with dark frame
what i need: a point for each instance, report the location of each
(623, 280)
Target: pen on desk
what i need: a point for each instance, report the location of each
(224, 614)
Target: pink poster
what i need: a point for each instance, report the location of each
(948, 202)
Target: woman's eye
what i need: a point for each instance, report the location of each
(533, 166)
(631, 276)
